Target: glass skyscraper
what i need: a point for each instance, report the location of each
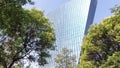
(71, 22)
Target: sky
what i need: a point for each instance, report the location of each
(102, 10)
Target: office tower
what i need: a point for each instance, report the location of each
(71, 22)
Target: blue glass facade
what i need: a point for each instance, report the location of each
(71, 22)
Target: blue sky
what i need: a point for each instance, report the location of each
(102, 10)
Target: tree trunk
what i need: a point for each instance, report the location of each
(4, 66)
(10, 66)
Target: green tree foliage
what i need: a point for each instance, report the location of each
(112, 61)
(12, 15)
(65, 59)
(101, 46)
(116, 9)
(4, 3)
(24, 34)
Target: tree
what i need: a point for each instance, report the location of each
(116, 9)
(25, 34)
(15, 2)
(112, 61)
(65, 59)
(12, 11)
(101, 46)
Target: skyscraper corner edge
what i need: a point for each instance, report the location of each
(91, 14)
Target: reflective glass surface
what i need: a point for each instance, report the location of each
(71, 22)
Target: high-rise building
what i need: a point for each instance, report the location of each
(71, 22)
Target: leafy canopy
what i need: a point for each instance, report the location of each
(65, 59)
(101, 46)
(116, 9)
(24, 34)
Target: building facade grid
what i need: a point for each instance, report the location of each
(71, 22)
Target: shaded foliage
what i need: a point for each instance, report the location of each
(116, 9)
(101, 42)
(112, 61)
(25, 34)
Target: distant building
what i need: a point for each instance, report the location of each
(71, 22)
